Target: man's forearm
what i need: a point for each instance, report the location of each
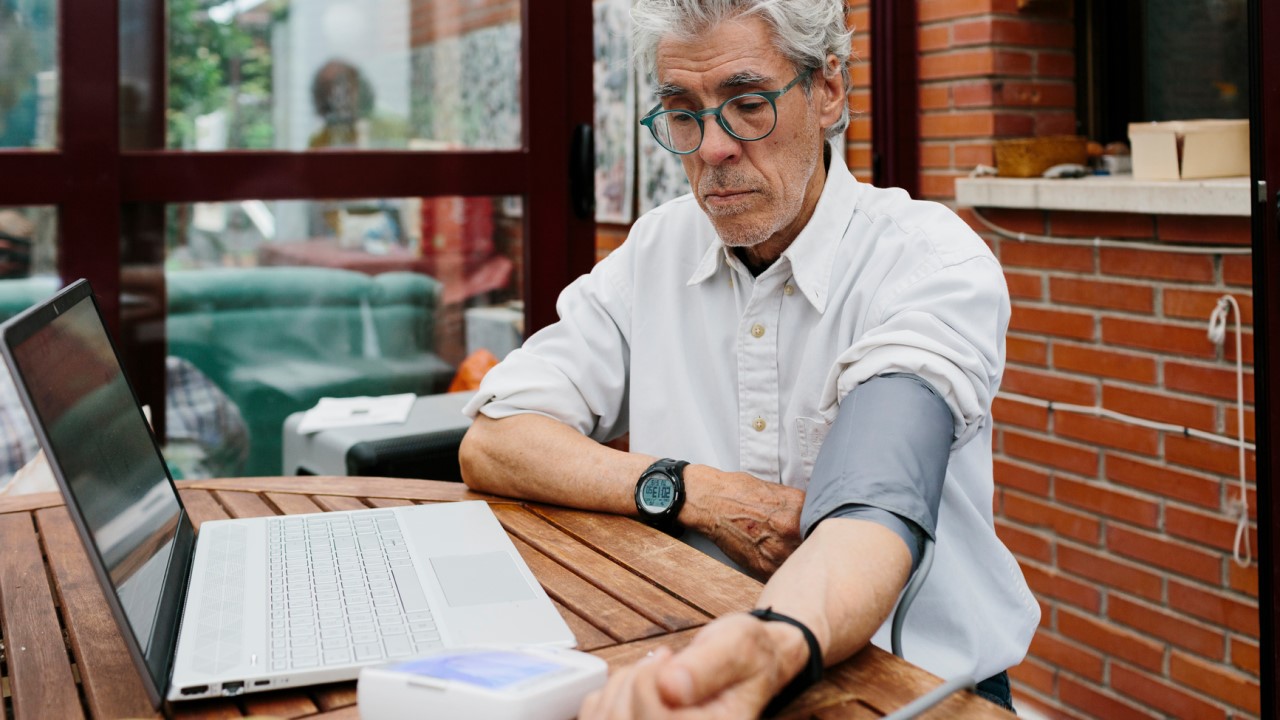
(534, 457)
(842, 583)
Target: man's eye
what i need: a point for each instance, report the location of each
(750, 107)
(680, 119)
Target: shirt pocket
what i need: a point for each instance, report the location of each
(810, 434)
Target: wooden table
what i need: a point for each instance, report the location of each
(622, 587)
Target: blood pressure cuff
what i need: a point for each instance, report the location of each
(884, 460)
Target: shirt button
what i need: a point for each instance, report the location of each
(758, 424)
(757, 330)
(789, 290)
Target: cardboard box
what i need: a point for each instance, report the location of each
(1185, 149)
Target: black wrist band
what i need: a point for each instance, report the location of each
(807, 677)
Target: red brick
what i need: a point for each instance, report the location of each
(1199, 304)
(973, 63)
(1101, 224)
(1162, 552)
(1032, 351)
(1029, 286)
(858, 157)
(973, 94)
(936, 185)
(1112, 640)
(1205, 380)
(1016, 93)
(1049, 257)
(1159, 336)
(1224, 684)
(1170, 627)
(1208, 456)
(1207, 229)
(1024, 543)
(1232, 421)
(1246, 655)
(1237, 270)
(1106, 432)
(1111, 571)
(1022, 477)
(1091, 360)
(1159, 407)
(1059, 323)
(860, 74)
(931, 10)
(1031, 673)
(973, 32)
(1164, 481)
(1162, 695)
(1246, 346)
(1109, 503)
(1214, 530)
(1067, 655)
(1036, 34)
(1048, 386)
(1072, 458)
(957, 124)
(1243, 580)
(1213, 607)
(859, 129)
(968, 156)
(1015, 412)
(1052, 64)
(1055, 123)
(935, 156)
(1048, 582)
(1036, 513)
(1098, 704)
(935, 97)
(1014, 124)
(1154, 265)
(933, 38)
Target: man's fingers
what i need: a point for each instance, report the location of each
(719, 658)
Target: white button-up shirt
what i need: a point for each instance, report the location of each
(672, 339)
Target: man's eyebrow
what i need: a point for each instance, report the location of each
(747, 77)
(669, 90)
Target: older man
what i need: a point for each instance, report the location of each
(781, 309)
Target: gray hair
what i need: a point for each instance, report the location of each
(804, 31)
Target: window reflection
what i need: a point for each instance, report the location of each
(28, 73)
(376, 74)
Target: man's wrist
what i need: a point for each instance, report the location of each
(798, 663)
(698, 481)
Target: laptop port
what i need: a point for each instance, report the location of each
(233, 688)
(261, 683)
(195, 690)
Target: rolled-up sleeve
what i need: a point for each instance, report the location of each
(945, 324)
(575, 370)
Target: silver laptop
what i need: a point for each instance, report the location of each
(263, 603)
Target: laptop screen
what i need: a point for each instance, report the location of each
(100, 446)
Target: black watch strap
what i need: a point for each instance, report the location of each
(810, 675)
(668, 521)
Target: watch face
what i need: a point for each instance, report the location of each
(657, 493)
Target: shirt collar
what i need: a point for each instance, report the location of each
(811, 253)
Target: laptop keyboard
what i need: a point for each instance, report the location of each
(344, 590)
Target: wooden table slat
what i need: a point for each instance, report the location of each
(40, 678)
(27, 503)
(243, 504)
(613, 618)
(291, 504)
(388, 502)
(886, 683)
(337, 695)
(360, 487)
(589, 636)
(214, 709)
(641, 595)
(284, 704)
(351, 712)
(112, 685)
(627, 653)
(709, 584)
(202, 506)
(342, 502)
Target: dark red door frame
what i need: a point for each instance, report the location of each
(895, 94)
(1264, 61)
(90, 178)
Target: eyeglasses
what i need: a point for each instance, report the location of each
(747, 117)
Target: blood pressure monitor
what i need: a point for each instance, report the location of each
(531, 683)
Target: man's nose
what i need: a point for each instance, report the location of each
(717, 144)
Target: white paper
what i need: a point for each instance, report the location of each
(332, 413)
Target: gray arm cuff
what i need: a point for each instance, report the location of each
(888, 449)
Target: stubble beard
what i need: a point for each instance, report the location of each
(779, 208)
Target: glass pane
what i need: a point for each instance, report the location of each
(28, 73)
(1196, 59)
(378, 74)
(274, 305)
(27, 276)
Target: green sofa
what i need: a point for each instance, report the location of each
(277, 339)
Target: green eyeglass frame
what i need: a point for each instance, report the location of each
(771, 96)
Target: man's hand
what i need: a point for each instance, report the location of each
(731, 669)
(756, 523)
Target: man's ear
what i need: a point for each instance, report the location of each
(833, 95)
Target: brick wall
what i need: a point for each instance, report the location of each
(431, 20)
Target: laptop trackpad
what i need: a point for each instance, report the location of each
(480, 579)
